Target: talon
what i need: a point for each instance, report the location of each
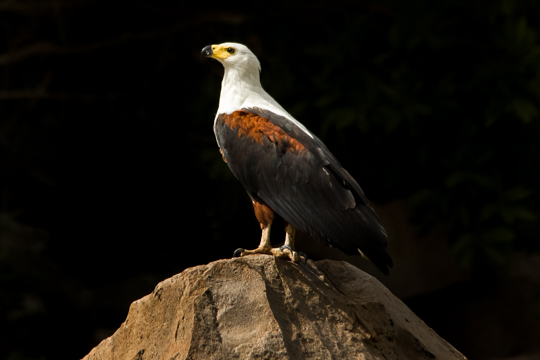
(303, 255)
(238, 251)
(293, 255)
(286, 247)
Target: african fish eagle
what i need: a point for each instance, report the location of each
(286, 170)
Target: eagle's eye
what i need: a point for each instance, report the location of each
(230, 50)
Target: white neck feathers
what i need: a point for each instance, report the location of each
(241, 88)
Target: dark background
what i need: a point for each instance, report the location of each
(111, 181)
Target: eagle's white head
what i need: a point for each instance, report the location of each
(241, 66)
(241, 86)
(233, 56)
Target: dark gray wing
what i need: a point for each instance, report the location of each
(296, 175)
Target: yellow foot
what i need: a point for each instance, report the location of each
(282, 252)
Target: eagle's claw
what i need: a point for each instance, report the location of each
(303, 255)
(238, 251)
(286, 247)
(295, 256)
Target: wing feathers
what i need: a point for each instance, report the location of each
(296, 176)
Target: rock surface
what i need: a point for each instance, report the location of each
(258, 307)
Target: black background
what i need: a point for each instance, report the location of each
(111, 181)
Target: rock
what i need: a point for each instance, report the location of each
(259, 307)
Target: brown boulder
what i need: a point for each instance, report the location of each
(259, 307)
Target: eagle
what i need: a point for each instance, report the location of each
(288, 171)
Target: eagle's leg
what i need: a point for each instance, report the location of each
(288, 247)
(265, 216)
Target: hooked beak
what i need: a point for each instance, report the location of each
(207, 51)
